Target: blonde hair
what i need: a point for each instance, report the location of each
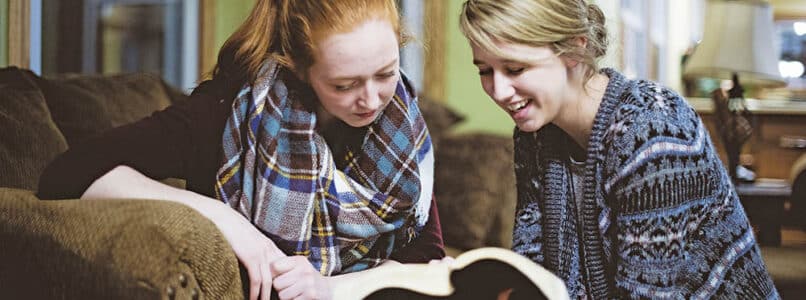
(538, 23)
(288, 30)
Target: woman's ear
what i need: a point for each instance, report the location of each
(581, 42)
(570, 62)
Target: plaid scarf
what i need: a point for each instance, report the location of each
(280, 174)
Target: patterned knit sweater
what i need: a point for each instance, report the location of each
(659, 216)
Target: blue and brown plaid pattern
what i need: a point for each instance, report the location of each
(280, 174)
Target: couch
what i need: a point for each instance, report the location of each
(135, 249)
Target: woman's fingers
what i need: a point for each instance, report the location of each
(287, 270)
(297, 279)
(260, 274)
(285, 280)
(253, 249)
(265, 284)
(268, 256)
(285, 264)
(305, 286)
(254, 280)
(292, 292)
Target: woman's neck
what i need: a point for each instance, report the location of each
(582, 104)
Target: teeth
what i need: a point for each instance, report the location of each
(517, 105)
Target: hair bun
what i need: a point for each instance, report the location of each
(598, 32)
(595, 14)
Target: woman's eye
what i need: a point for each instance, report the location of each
(515, 71)
(485, 72)
(345, 87)
(388, 74)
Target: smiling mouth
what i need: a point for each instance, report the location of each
(517, 106)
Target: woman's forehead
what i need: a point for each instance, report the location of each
(364, 50)
(509, 52)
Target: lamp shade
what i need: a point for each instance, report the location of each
(738, 38)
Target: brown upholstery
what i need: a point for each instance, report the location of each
(86, 105)
(111, 249)
(29, 137)
(122, 249)
(475, 188)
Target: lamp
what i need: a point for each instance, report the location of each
(737, 44)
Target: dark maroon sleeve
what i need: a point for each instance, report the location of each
(428, 245)
(159, 146)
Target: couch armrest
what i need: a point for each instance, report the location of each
(122, 249)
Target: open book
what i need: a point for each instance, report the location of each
(484, 273)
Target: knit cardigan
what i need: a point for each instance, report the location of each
(659, 216)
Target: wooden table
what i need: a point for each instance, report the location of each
(763, 201)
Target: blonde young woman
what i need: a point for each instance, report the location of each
(257, 148)
(620, 191)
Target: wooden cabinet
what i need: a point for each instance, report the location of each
(774, 120)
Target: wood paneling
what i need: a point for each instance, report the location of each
(208, 51)
(19, 22)
(434, 71)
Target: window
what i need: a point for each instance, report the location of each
(791, 42)
(644, 39)
(118, 36)
(792, 39)
(412, 56)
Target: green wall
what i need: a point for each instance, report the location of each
(229, 15)
(462, 86)
(3, 33)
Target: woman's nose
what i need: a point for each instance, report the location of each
(370, 97)
(502, 89)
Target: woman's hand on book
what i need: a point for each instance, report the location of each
(253, 249)
(297, 279)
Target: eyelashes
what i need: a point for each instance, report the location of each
(510, 71)
(381, 77)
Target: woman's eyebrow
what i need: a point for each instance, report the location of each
(389, 65)
(503, 61)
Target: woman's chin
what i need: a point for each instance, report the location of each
(359, 122)
(529, 126)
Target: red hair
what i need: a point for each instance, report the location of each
(288, 31)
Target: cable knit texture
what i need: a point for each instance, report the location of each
(659, 218)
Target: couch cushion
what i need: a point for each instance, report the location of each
(439, 118)
(474, 185)
(29, 139)
(85, 105)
